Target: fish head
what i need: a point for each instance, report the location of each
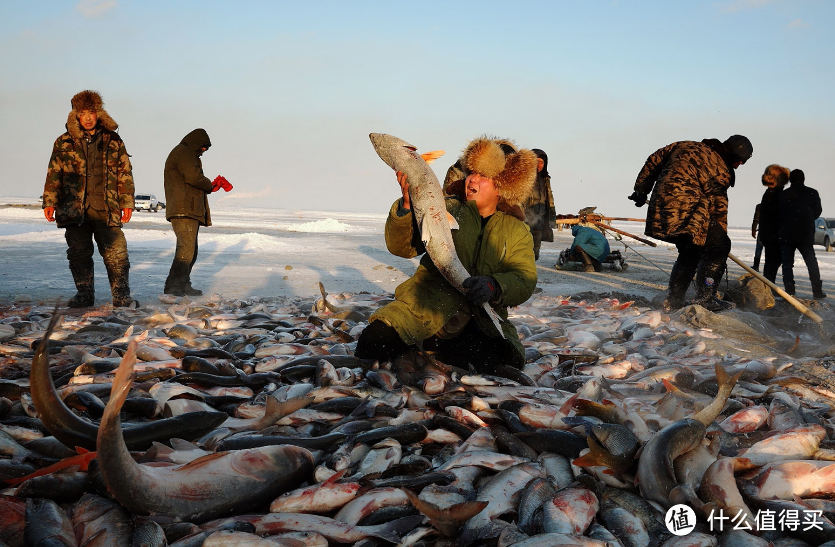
(389, 147)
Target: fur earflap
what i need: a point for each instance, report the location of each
(516, 181)
(88, 100)
(775, 176)
(485, 157)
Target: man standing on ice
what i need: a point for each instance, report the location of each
(799, 207)
(494, 245)
(89, 192)
(689, 183)
(187, 206)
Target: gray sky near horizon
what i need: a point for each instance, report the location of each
(289, 91)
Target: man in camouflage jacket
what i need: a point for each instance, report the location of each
(540, 213)
(89, 192)
(689, 183)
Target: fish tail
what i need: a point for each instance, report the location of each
(597, 455)
(726, 385)
(721, 374)
(491, 313)
(447, 521)
(429, 157)
(121, 383)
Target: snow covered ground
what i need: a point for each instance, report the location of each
(268, 252)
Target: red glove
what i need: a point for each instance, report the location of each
(220, 182)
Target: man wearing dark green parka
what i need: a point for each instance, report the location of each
(494, 245)
(186, 207)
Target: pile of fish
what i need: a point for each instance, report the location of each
(222, 423)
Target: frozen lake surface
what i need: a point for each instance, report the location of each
(271, 252)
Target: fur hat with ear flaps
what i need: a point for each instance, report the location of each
(776, 175)
(514, 172)
(88, 100)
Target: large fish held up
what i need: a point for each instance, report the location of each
(429, 208)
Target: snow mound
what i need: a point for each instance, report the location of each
(326, 225)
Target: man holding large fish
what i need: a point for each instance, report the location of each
(456, 302)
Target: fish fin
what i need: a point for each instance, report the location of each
(203, 460)
(76, 467)
(121, 383)
(182, 444)
(569, 404)
(669, 385)
(335, 477)
(81, 450)
(429, 157)
(285, 408)
(75, 352)
(453, 224)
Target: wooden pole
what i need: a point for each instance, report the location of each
(789, 298)
(607, 227)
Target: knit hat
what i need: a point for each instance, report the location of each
(775, 176)
(739, 147)
(88, 100)
(514, 173)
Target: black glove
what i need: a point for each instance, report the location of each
(639, 198)
(482, 288)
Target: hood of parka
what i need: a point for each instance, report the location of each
(196, 140)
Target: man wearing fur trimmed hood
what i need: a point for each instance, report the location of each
(89, 192)
(494, 245)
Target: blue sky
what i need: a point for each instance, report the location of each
(288, 91)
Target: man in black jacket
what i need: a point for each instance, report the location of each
(799, 207)
(187, 207)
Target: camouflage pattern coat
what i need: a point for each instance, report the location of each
(66, 179)
(425, 302)
(540, 213)
(689, 184)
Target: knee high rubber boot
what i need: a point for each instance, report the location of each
(118, 275)
(85, 295)
(789, 287)
(679, 282)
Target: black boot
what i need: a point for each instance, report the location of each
(118, 276)
(707, 282)
(817, 290)
(679, 282)
(188, 290)
(789, 287)
(85, 296)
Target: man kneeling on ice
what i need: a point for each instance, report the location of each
(494, 245)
